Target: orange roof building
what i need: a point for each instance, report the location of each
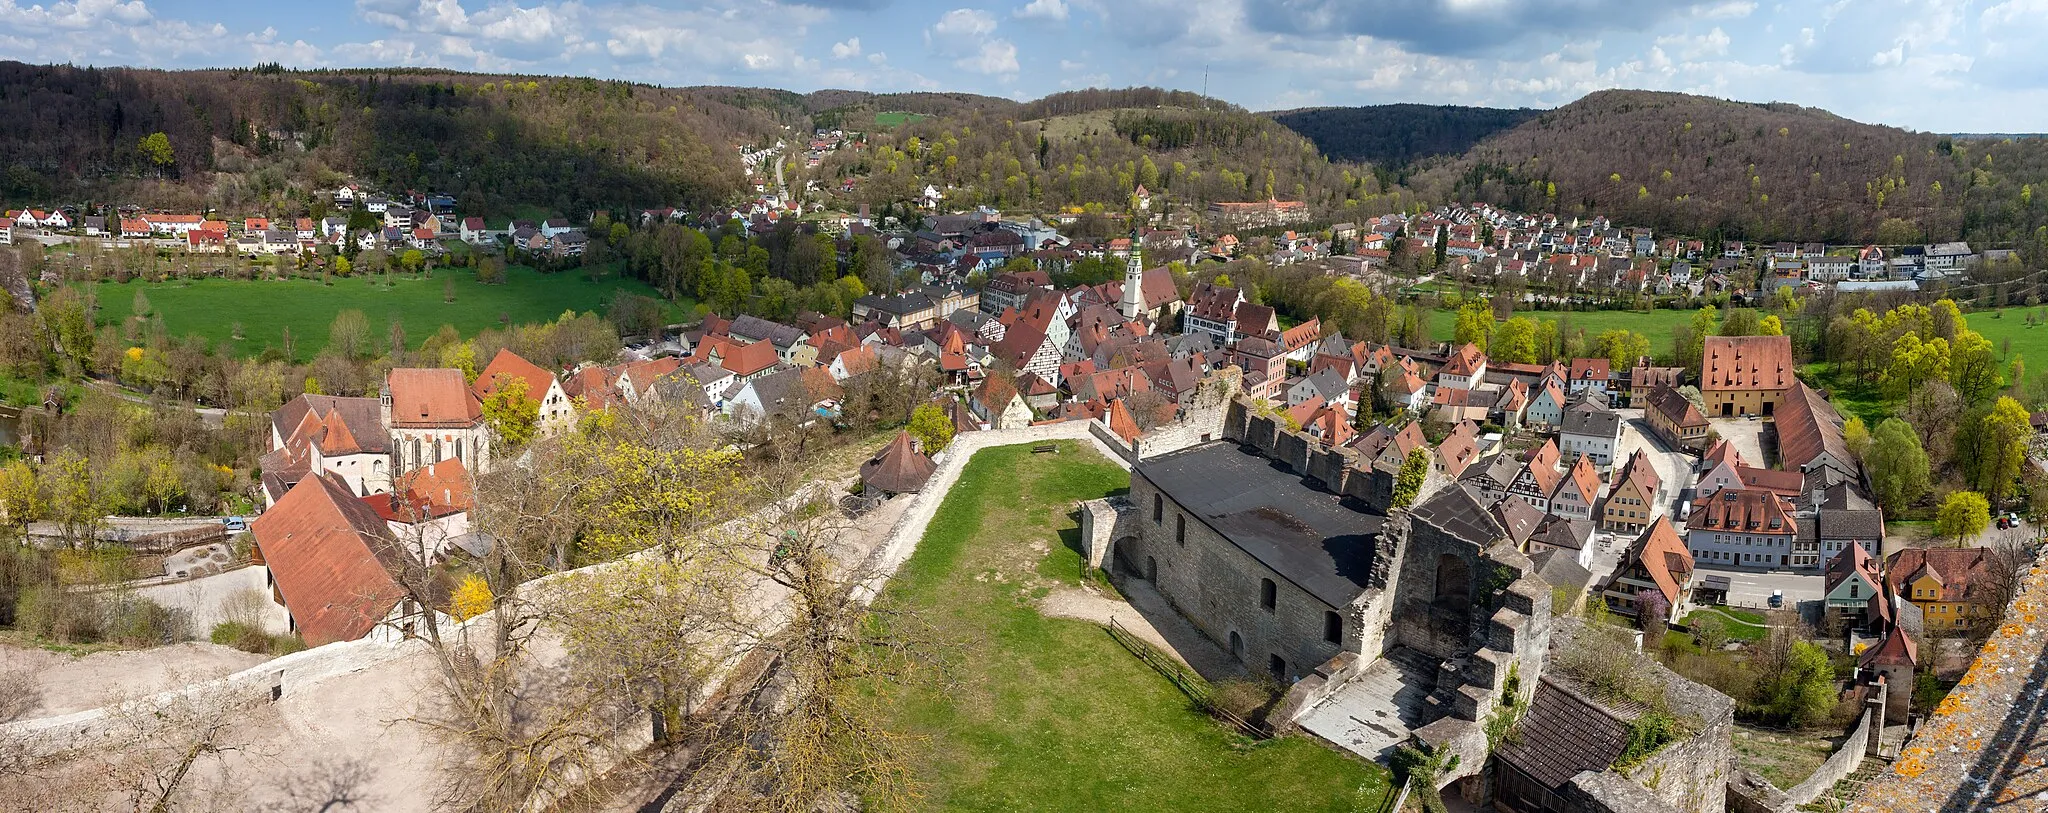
(1745, 375)
(334, 563)
(1656, 561)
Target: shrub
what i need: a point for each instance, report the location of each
(1247, 699)
(139, 622)
(1648, 734)
(286, 644)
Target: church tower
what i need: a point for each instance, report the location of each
(1133, 303)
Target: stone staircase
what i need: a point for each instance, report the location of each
(1373, 712)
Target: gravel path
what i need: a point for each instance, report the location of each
(1149, 618)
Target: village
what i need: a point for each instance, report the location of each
(1401, 535)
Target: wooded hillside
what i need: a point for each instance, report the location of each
(1699, 165)
(1394, 135)
(267, 138)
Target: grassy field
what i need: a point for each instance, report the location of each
(212, 307)
(1656, 324)
(1741, 625)
(1046, 714)
(897, 118)
(2009, 325)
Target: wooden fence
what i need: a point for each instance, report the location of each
(1196, 688)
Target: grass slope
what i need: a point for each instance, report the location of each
(264, 308)
(1051, 714)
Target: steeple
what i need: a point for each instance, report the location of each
(1133, 302)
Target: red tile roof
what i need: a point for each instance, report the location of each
(1744, 511)
(1747, 363)
(1465, 362)
(435, 397)
(1664, 556)
(508, 365)
(334, 560)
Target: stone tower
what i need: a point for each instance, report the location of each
(1133, 302)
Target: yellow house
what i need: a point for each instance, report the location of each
(1745, 375)
(1947, 584)
(1634, 499)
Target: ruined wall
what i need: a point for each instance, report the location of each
(1103, 522)
(1435, 613)
(1608, 792)
(1216, 585)
(1839, 764)
(1691, 775)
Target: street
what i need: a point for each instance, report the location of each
(1753, 589)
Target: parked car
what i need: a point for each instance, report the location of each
(1777, 599)
(234, 524)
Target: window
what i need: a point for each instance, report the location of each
(1180, 529)
(1278, 665)
(1854, 588)
(1333, 627)
(1269, 594)
(1158, 508)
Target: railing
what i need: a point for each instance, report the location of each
(1401, 799)
(1189, 683)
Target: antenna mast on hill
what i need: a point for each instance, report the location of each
(1205, 86)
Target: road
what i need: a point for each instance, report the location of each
(1753, 589)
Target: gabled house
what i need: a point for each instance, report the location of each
(1951, 586)
(1746, 375)
(1656, 561)
(1465, 369)
(1745, 528)
(1636, 497)
(336, 567)
(1577, 492)
(1720, 467)
(1590, 374)
(344, 437)
(1675, 418)
(1590, 429)
(998, 404)
(1212, 310)
(1854, 589)
(554, 411)
(1546, 405)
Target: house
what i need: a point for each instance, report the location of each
(1212, 310)
(555, 414)
(1577, 492)
(1657, 561)
(1645, 378)
(1465, 369)
(554, 226)
(1589, 374)
(1854, 589)
(473, 231)
(788, 341)
(1566, 535)
(1897, 660)
(1590, 429)
(1033, 338)
(1675, 418)
(335, 566)
(789, 392)
(1745, 528)
(1009, 290)
(433, 416)
(998, 404)
(1745, 375)
(428, 509)
(1327, 385)
(1538, 478)
(1951, 586)
(1635, 498)
(1546, 405)
(95, 226)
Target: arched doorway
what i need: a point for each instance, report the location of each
(1151, 570)
(1451, 607)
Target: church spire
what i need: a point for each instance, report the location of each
(1133, 302)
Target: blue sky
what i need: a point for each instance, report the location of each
(1940, 65)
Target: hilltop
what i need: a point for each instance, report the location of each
(1701, 165)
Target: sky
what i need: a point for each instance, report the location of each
(1934, 65)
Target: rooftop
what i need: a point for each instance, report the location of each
(1308, 536)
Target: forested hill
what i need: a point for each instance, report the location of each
(250, 140)
(1094, 146)
(1395, 135)
(1699, 165)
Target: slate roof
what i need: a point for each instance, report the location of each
(1517, 518)
(1559, 568)
(1562, 734)
(757, 329)
(1456, 511)
(1309, 537)
(1560, 532)
(1592, 419)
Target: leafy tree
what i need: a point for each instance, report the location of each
(1995, 445)
(1621, 348)
(1408, 483)
(156, 149)
(1914, 362)
(932, 428)
(140, 306)
(1798, 690)
(349, 334)
(472, 598)
(1771, 325)
(1973, 365)
(1475, 325)
(511, 413)
(461, 356)
(1856, 436)
(1741, 322)
(1515, 341)
(1897, 465)
(21, 496)
(1964, 514)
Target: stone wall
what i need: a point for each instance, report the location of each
(1608, 792)
(1691, 775)
(1218, 587)
(1839, 764)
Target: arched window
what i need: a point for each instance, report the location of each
(1180, 529)
(1158, 508)
(1269, 594)
(1333, 627)
(458, 451)
(1453, 581)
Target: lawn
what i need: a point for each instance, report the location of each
(1741, 625)
(1051, 714)
(264, 308)
(2029, 342)
(1656, 324)
(897, 118)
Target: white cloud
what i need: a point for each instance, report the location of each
(1042, 10)
(846, 50)
(996, 57)
(962, 22)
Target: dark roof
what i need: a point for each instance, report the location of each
(1458, 513)
(755, 328)
(1562, 734)
(1559, 532)
(1559, 568)
(1309, 537)
(899, 468)
(1590, 419)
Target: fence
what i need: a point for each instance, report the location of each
(1189, 683)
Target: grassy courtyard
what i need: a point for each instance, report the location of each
(264, 308)
(1052, 714)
